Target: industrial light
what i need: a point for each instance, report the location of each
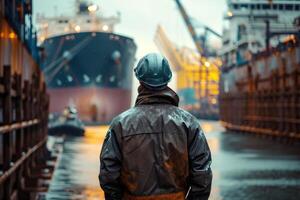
(77, 28)
(214, 101)
(93, 8)
(105, 27)
(230, 14)
(12, 35)
(42, 38)
(207, 64)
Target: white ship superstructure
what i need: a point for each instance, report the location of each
(87, 19)
(245, 33)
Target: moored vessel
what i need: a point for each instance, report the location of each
(67, 123)
(260, 80)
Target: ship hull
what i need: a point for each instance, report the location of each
(91, 71)
(262, 96)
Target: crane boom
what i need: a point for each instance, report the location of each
(190, 26)
(213, 32)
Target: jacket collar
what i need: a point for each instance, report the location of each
(149, 96)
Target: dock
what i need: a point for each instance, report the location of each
(60, 90)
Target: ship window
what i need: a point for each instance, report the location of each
(266, 7)
(235, 6)
(258, 6)
(242, 31)
(275, 6)
(289, 7)
(244, 6)
(281, 7)
(252, 6)
(86, 78)
(63, 21)
(297, 7)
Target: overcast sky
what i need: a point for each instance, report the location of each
(139, 19)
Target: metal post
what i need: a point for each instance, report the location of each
(7, 137)
(268, 36)
(7, 113)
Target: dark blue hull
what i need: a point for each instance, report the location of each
(89, 60)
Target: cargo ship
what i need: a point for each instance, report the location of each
(86, 64)
(260, 79)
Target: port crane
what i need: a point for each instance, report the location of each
(190, 76)
(203, 37)
(201, 46)
(200, 41)
(190, 27)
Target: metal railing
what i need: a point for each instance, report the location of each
(23, 135)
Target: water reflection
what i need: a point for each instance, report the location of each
(247, 166)
(244, 166)
(77, 174)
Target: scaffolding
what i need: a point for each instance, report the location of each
(197, 76)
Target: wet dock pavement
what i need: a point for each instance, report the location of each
(244, 166)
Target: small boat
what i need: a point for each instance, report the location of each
(66, 124)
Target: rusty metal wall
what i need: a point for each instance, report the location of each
(23, 118)
(23, 134)
(267, 99)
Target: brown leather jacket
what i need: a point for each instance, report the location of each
(155, 150)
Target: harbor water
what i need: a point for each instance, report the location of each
(245, 166)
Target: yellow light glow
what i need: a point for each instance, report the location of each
(95, 134)
(230, 14)
(207, 64)
(42, 38)
(77, 28)
(12, 35)
(105, 28)
(214, 101)
(93, 8)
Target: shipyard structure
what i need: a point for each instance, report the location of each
(26, 164)
(260, 79)
(197, 69)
